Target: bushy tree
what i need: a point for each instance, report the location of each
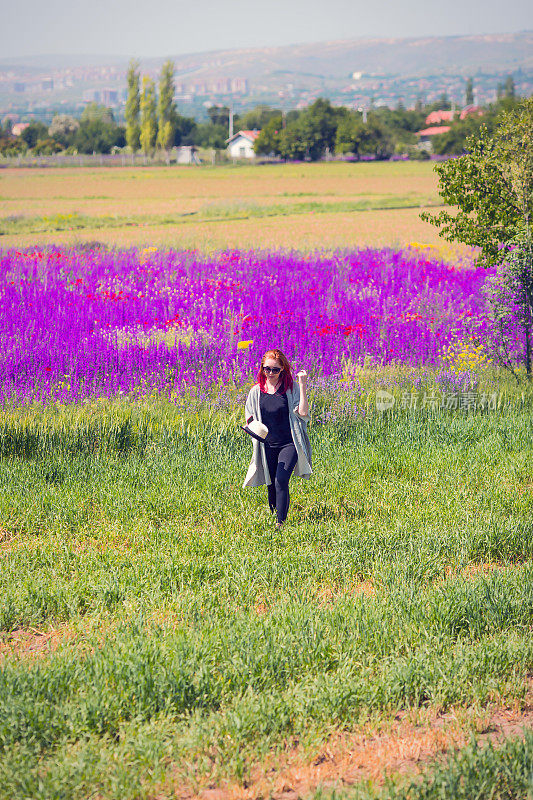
(318, 127)
(12, 145)
(257, 118)
(349, 135)
(133, 106)
(47, 147)
(63, 129)
(360, 138)
(208, 135)
(509, 294)
(219, 115)
(294, 142)
(491, 186)
(96, 136)
(34, 132)
(442, 104)
(185, 130)
(94, 112)
(269, 140)
(454, 141)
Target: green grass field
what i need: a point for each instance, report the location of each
(161, 638)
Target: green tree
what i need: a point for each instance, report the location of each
(219, 115)
(509, 87)
(96, 112)
(34, 132)
(257, 118)
(96, 136)
(442, 104)
(311, 132)
(268, 141)
(350, 133)
(47, 147)
(454, 141)
(185, 130)
(293, 142)
(133, 106)
(509, 295)
(166, 107)
(207, 135)
(491, 186)
(360, 138)
(148, 116)
(469, 92)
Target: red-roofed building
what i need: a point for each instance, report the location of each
(241, 144)
(425, 136)
(439, 116)
(471, 111)
(18, 127)
(434, 131)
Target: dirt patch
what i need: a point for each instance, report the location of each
(328, 594)
(9, 541)
(33, 643)
(403, 746)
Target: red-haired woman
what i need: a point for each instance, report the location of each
(281, 405)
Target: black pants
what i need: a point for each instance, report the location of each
(281, 462)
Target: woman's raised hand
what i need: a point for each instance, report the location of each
(302, 376)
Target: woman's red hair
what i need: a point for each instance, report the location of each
(286, 375)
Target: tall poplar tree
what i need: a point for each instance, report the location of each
(133, 106)
(469, 92)
(166, 107)
(148, 116)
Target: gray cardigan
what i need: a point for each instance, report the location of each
(258, 474)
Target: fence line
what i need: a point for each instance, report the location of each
(140, 160)
(100, 159)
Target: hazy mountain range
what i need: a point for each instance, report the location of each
(432, 55)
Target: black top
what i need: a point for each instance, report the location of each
(275, 415)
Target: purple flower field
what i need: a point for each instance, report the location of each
(79, 323)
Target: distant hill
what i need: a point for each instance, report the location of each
(336, 60)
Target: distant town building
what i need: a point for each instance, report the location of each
(47, 85)
(91, 96)
(425, 136)
(427, 133)
(18, 127)
(220, 86)
(109, 97)
(471, 111)
(241, 144)
(239, 86)
(439, 116)
(18, 86)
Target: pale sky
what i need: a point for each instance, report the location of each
(171, 27)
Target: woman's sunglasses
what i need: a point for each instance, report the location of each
(273, 370)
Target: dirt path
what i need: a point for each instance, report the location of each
(406, 745)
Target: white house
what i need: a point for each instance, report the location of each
(241, 144)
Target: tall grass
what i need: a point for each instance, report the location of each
(193, 634)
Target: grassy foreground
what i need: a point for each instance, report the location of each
(187, 640)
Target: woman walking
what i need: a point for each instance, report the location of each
(276, 402)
